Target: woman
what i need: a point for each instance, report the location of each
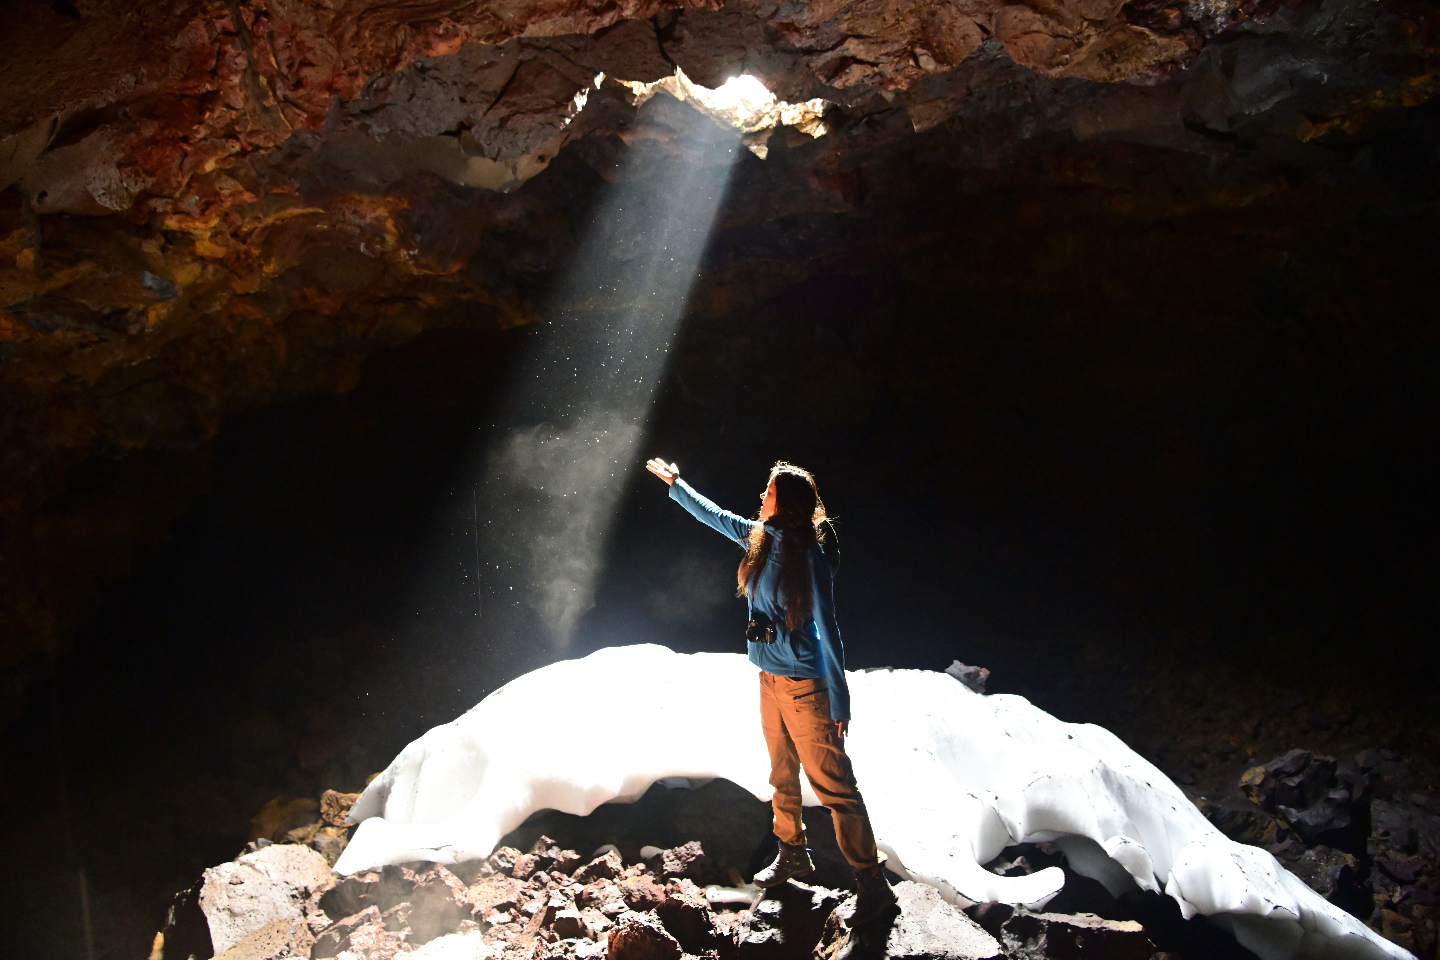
(804, 699)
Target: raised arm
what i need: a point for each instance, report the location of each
(832, 654)
(733, 526)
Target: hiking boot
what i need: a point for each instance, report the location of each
(789, 862)
(873, 896)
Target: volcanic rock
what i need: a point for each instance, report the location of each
(1052, 936)
(687, 916)
(570, 923)
(382, 889)
(335, 806)
(688, 860)
(277, 940)
(924, 928)
(973, 677)
(439, 903)
(605, 867)
(364, 930)
(277, 882)
(642, 892)
(640, 936)
(1325, 870)
(786, 921)
(1329, 815)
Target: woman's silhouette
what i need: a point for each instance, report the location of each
(786, 576)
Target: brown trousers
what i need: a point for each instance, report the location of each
(799, 732)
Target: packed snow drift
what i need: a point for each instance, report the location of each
(950, 778)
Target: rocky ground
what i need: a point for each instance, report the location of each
(1361, 830)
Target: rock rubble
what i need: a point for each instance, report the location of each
(1354, 829)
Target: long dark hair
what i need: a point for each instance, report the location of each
(800, 516)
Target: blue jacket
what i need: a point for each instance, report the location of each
(814, 650)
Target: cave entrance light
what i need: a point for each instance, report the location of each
(570, 426)
(743, 103)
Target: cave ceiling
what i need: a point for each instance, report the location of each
(213, 204)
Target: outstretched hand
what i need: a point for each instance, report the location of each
(665, 471)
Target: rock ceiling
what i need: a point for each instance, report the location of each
(211, 204)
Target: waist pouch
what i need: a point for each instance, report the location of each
(760, 629)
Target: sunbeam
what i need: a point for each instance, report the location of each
(550, 484)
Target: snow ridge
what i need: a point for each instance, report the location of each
(950, 777)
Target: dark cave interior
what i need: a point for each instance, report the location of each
(1143, 422)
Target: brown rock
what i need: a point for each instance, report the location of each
(525, 866)
(503, 860)
(687, 860)
(276, 940)
(570, 923)
(687, 915)
(606, 867)
(640, 936)
(439, 903)
(641, 892)
(596, 921)
(494, 893)
(330, 842)
(276, 882)
(546, 912)
(335, 806)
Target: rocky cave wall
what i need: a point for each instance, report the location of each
(217, 205)
(1116, 268)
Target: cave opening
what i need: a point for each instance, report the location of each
(1119, 372)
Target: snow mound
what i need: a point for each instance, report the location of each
(950, 777)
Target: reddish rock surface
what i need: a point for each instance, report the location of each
(214, 205)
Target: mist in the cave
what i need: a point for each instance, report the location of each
(570, 429)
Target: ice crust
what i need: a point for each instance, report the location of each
(950, 777)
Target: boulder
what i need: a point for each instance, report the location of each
(549, 908)
(503, 860)
(686, 860)
(642, 892)
(439, 903)
(1243, 821)
(1261, 784)
(1054, 936)
(552, 857)
(1325, 870)
(335, 806)
(1329, 815)
(973, 677)
(786, 922)
(277, 882)
(494, 893)
(924, 928)
(640, 936)
(686, 914)
(570, 924)
(329, 842)
(277, 940)
(606, 867)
